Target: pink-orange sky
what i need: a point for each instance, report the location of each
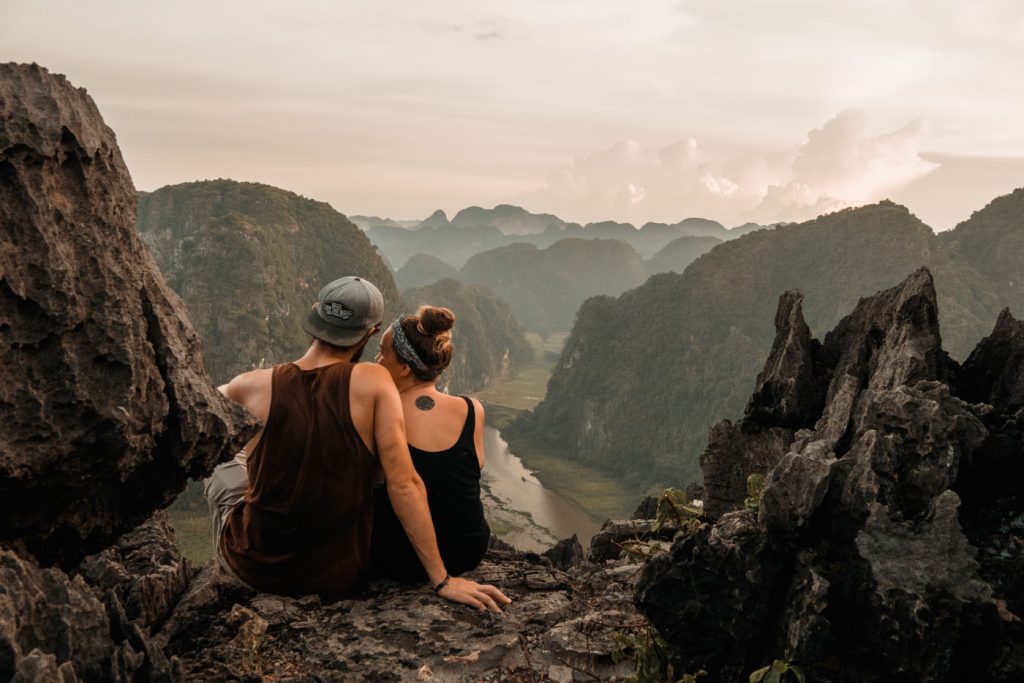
(651, 110)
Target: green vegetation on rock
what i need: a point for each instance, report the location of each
(248, 261)
(488, 340)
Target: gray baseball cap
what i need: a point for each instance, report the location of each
(345, 310)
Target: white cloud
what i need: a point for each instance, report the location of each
(842, 163)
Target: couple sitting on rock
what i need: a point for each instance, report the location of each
(298, 510)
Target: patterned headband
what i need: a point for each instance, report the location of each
(404, 349)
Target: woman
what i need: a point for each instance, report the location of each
(445, 435)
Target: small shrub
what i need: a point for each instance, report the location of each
(778, 672)
(755, 484)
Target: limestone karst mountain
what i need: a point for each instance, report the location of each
(423, 269)
(648, 373)
(887, 542)
(679, 253)
(511, 220)
(248, 260)
(991, 241)
(488, 341)
(545, 287)
(368, 222)
(450, 243)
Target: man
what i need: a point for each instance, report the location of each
(293, 512)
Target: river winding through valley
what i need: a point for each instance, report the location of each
(524, 512)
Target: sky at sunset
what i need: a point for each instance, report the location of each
(592, 110)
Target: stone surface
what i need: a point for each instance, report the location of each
(145, 569)
(790, 391)
(994, 372)
(889, 540)
(560, 625)
(105, 409)
(617, 534)
(734, 452)
(56, 627)
(566, 554)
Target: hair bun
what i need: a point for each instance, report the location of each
(434, 320)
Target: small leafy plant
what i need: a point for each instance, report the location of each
(755, 484)
(778, 672)
(675, 510)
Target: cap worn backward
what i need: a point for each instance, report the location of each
(346, 308)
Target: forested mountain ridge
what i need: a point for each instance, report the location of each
(992, 242)
(675, 256)
(423, 269)
(643, 376)
(248, 260)
(545, 287)
(487, 338)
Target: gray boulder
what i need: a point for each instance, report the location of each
(105, 409)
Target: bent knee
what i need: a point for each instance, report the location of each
(227, 484)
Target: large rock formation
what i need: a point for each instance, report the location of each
(888, 541)
(105, 409)
(789, 395)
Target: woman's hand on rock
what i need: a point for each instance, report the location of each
(479, 595)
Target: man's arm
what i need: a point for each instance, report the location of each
(409, 498)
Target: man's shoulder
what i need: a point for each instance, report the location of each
(246, 382)
(370, 377)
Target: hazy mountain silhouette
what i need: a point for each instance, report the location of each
(511, 220)
(423, 269)
(679, 253)
(545, 287)
(475, 229)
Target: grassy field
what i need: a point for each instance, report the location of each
(600, 494)
(527, 388)
(192, 532)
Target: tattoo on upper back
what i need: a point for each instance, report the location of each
(424, 403)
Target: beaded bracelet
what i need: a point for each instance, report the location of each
(444, 582)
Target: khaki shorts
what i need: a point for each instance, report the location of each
(225, 490)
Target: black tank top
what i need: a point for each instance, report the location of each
(452, 479)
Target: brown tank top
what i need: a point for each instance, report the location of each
(304, 525)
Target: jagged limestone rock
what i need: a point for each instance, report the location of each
(105, 409)
(790, 391)
(886, 538)
(57, 627)
(994, 372)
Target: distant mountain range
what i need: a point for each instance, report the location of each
(475, 229)
(643, 376)
(546, 285)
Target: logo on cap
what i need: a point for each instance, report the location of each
(337, 310)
